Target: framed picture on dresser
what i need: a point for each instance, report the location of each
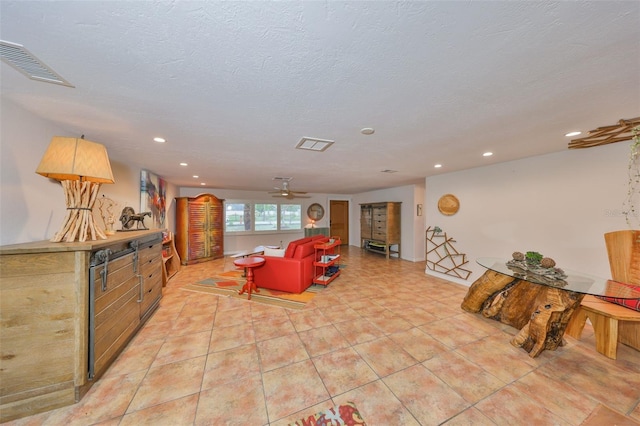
(153, 194)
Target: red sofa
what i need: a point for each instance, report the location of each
(292, 273)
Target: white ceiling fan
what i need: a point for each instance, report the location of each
(285, 192)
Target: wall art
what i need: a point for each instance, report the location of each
(153, 192)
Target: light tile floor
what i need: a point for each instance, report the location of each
(384, 335)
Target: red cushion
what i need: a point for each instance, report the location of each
(627, 303)
(291, 248)
(304, 250)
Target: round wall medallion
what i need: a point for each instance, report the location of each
(315, 212)
(448, 204)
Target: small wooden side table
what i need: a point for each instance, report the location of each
(248, 263)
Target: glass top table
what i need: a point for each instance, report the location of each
(575, 281)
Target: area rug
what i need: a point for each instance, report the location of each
(341, 415)
(229, 283)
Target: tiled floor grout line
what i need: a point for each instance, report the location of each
(388, 297)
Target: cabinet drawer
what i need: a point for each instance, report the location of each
(151, 273)
(149, 251)
(152, 293)
(382, 236)
(379, 231)
(379, 224)
(151, 266)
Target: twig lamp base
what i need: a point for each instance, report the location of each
(80, 196)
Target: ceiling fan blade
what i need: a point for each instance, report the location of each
(287, 193)
(291, 196)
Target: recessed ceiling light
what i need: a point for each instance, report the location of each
(487, 154)
(202, 183)
(196, 176)
(367, 131)
(159, 140)
(573, 134)
(437, 166)
(183, 164)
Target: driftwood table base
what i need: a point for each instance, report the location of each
(540, 312)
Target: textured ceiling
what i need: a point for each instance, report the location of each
(234, 86)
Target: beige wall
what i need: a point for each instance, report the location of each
(32, 207)
(558, 204)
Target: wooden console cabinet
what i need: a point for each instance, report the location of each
(199, 228)
(67, 310)
(380, 227)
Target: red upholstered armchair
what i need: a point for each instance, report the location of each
(292, 273)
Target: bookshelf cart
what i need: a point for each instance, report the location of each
(327, 255)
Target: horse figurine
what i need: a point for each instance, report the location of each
(129, 217)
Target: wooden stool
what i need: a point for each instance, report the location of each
(611, 324)
(248, 263)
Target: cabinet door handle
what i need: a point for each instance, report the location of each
(104, 274)
(141, 282)
(103, 255)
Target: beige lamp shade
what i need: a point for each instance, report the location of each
(76, 159)
(81, 167)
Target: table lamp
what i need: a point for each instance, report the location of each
(81, 167)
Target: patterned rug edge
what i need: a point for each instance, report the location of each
(346, 414)
(255, 297)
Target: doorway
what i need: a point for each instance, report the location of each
(339, 220)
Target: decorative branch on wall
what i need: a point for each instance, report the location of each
(620, 132)
(442, 256)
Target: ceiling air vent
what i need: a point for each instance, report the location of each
(24, 61)
(314, 144)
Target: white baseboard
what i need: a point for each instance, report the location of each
(448, 277)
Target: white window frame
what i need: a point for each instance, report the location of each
(252, 206)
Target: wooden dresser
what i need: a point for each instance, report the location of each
(380, 227)
(199, 228)
(67, 310)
